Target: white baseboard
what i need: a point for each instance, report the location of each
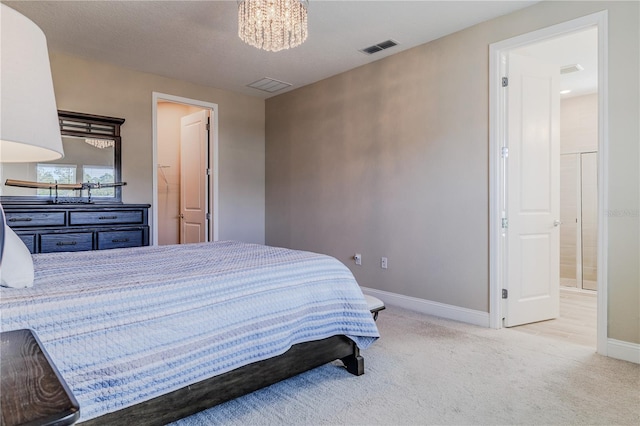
(618, 349)
(625, 351)
(428, 307)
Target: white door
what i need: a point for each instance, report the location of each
(194, 142)
(533, 196)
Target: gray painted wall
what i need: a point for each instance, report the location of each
(99, 88)
(391, 159)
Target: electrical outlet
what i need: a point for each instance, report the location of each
(383, 262)
(358, 258)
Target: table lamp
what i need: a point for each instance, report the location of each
(29, 129)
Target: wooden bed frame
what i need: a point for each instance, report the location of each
(241, 381)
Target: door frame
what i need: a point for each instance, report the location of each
(213, 161)
(497, 135)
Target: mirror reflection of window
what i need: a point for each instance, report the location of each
(91, 154)
(99, 174)
(56, 173)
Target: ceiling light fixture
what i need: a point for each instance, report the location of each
(272, 25)
(101, 143)
(565, 92)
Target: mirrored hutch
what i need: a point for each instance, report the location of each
(75, 203)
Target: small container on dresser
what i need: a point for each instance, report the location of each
(46, 228)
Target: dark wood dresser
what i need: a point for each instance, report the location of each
(46, 228)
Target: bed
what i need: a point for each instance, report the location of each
(153, 334)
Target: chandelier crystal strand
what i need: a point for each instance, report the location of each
(101, 143)
(272, 25)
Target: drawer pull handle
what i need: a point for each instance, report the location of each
(107, 217)
(66, 243)
(120, 240)
(20, 219)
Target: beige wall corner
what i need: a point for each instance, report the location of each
(99, 88)
(391, 159)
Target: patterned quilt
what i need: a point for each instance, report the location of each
(127, 325)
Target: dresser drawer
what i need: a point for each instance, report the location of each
(73, 241)
(120, 239)
(29, 240)
(46, 228)
(23, 219)
(106, 217)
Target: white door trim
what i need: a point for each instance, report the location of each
(497, 253)
(213, 161)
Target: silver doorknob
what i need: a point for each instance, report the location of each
(557, 223)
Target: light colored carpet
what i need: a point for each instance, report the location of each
(426, 370)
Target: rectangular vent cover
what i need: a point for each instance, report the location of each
(269, 85)
(567, 69)
(378, 47)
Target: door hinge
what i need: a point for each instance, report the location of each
(504, 151)
(208, 172)
(505, 293)
(208, 216)
(505, 223)
(208, 126)
(505, 81)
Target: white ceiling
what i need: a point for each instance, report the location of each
(197, 41)
(576, 48)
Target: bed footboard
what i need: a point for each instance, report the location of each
(208, 393)
(354, 362)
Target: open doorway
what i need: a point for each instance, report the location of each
(567, 250)
(576, 57)
(577, 54)
(185, 178)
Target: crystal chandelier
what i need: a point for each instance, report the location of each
(272, 25)
(101, 143)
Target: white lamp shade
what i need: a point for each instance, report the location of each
(29, 129)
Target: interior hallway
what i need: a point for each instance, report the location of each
(577, 322)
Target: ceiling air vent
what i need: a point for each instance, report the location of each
(378, 47)
(571, 68)
(269, 85)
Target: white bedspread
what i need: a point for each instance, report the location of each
(127, 325)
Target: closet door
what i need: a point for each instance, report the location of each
(579, 216)
(569, 205)
(589, 208)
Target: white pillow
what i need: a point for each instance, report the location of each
(16, 269)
